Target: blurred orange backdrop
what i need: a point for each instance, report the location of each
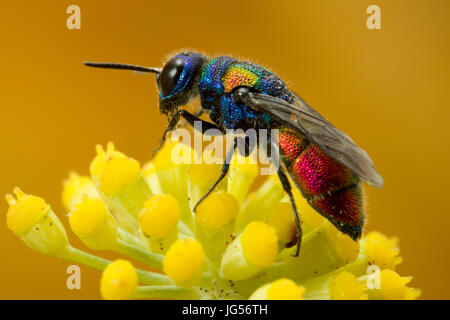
(388, 89)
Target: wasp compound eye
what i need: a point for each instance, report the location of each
(170, 75)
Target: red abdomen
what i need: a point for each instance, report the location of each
(330, 188)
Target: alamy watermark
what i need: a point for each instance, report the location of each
(255, 146)
(373, 280)
(73, 281)
(74, 19)
(374, 20)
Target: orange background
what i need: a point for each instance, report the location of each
(388, 89)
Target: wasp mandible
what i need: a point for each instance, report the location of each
(324, 163)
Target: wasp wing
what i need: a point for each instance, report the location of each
(301, 117)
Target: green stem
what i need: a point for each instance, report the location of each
(166, 292)
(152, 259)
(151, 278)
(85, 258)
(90, 260)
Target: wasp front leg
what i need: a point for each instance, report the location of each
(191, 119)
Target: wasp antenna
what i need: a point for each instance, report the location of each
(122, 66)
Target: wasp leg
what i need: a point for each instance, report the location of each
(198, 113)
(287, 188)
(247, 149)
(225, 168)
(190, 118)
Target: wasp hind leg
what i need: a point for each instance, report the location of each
(288, 189)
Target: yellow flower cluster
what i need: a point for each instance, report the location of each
(237, 245)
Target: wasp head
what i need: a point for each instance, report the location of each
(178, 80)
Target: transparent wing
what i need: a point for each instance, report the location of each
(318, 130)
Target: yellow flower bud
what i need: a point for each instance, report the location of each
(214, 218)
(184, 261)
(345, 286)
(336, 250)
(75, 187)
(217, 210)
(170, 151)
(91, 221)
(259, 244)
(121, 184)
(253, 250)
(119, 281)
(381, 251)
(25, 212)
(158, 221)
(281, 217)
(393, 287)
(281, 289)
(32, 219)
(159, 216)
(113, 170)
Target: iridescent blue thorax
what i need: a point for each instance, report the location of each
(221, 75)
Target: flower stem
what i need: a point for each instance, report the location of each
(87, 259)
(90, 260)
(152, 278)
(166, 292)
(152, 259)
